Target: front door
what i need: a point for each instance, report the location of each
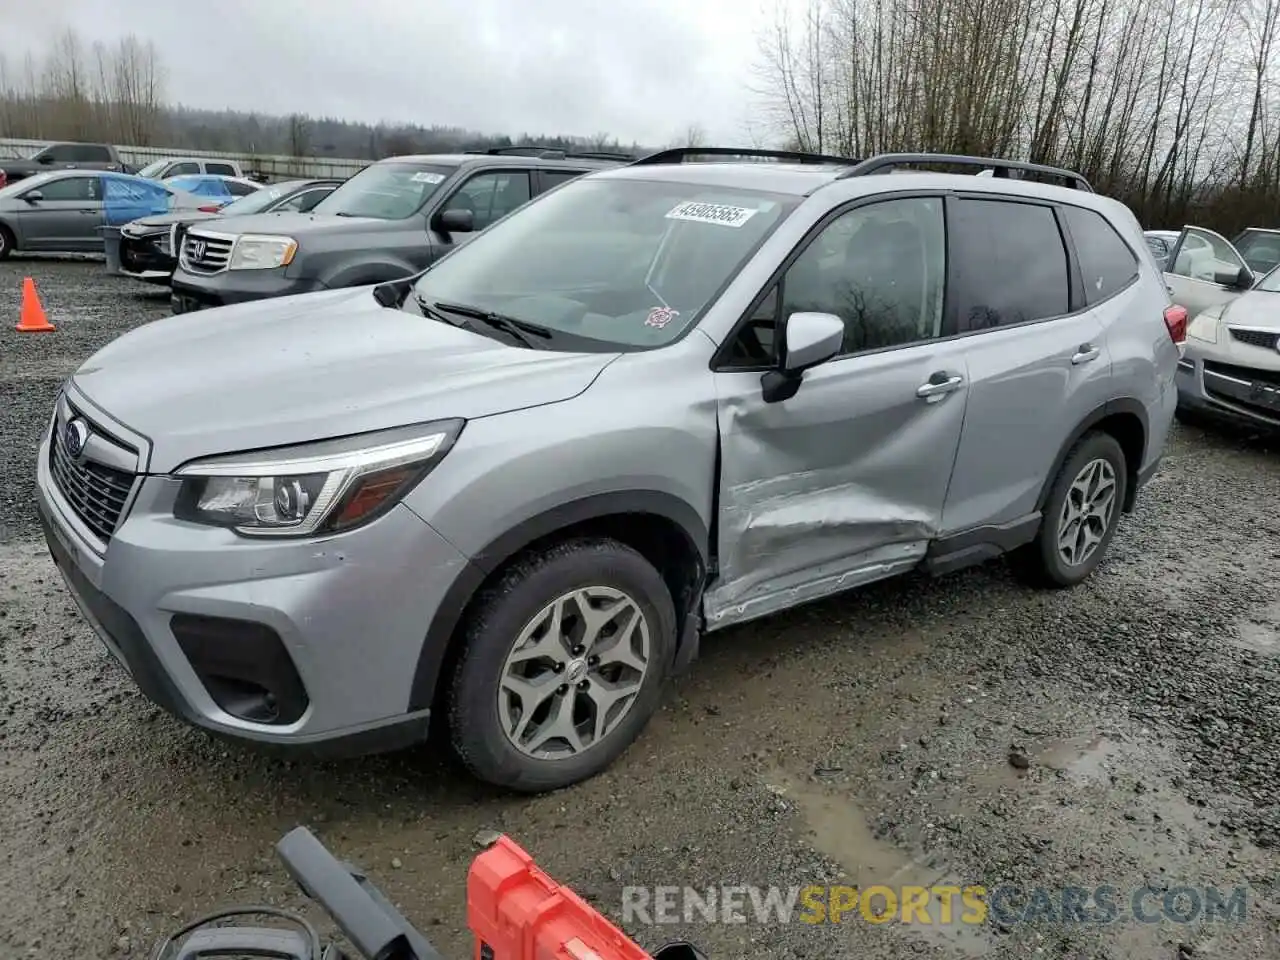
(66, 217)
(844, 482)
(1198, 260)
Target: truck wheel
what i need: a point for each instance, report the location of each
(7, 242)
(562, 666)
(1080, 516)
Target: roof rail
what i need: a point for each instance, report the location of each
(543, 153)
(886, 162)
(603, 155)
(680, 155)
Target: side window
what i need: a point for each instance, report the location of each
(1202, 255)
(81, 189)
(1011, 263)
(491, 196)
(63, 153)
(553, 178)
(238, 189)
(1106, 262)
(92, 153)
(881, 268)
(224, 169)
(183, 169)
(1158, 246)
(1261, 251)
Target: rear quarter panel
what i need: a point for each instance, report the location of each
(1144, 358)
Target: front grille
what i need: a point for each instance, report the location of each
(1256, 338)
(206, 254)
(96, 492)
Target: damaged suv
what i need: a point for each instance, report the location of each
(516, 488)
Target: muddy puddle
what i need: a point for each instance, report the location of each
(838, 829)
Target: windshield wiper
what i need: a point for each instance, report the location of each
(518, 330)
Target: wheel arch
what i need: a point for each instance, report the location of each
(665, 529)
(357, 273)
(1126, 421)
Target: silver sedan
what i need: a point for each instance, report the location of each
(62, 212)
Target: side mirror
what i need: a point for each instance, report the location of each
(456, 221)
(1241, 279)
(35, 196)
(808, 340)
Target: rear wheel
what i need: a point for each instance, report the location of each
(563, 665)
(1080, 516)
(7, 242)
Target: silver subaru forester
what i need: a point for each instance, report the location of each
(659, 400)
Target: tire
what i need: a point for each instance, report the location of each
(7, 242)
(480, 705)
(1041, 563)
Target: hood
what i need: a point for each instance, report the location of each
(1253, 308)
(167, 220)
(311, 367)
(298, 225)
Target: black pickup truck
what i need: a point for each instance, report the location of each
(63, 156)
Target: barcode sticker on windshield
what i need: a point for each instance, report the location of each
(718, 213)
(427, 177)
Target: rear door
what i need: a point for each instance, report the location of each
(1197, 264)
(1038, 363)
(67, 216)
(845, 481)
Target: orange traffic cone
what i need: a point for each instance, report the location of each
(33, 319)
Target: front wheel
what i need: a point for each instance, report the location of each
(562, 667)
(7, 242)
(1080, 516)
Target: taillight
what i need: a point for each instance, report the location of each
(209, 208)
(1175, 319)
(4, 178)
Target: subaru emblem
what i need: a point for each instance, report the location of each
(75, 437)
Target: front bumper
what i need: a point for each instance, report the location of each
(211, 626)
(147, 257)
(193, 291)
(1232, 392)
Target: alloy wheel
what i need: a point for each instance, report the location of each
(1087, 512)
(574, 673)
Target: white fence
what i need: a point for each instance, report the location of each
(273, 167)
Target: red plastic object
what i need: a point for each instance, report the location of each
(517, 912)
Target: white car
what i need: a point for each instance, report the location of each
(1231, 365)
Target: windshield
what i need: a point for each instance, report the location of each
(623, 263)
(152, 168)
(385, 191)
(254, 202)
(1270, 283)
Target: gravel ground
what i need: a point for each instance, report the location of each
(1126, 734)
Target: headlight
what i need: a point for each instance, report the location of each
(314, 490)
(254, 252)
(1204, 327)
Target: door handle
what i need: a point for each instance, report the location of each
(1084, 353)
(938, 385)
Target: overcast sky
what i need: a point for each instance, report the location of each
(637, 69)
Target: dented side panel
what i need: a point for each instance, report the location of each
(839, 485)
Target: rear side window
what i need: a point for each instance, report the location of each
(1011, 264)
(224, 169)
(238, 189)
(1106, 262)
(553, 178)
(90, 153)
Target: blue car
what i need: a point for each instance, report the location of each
(220, 189)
